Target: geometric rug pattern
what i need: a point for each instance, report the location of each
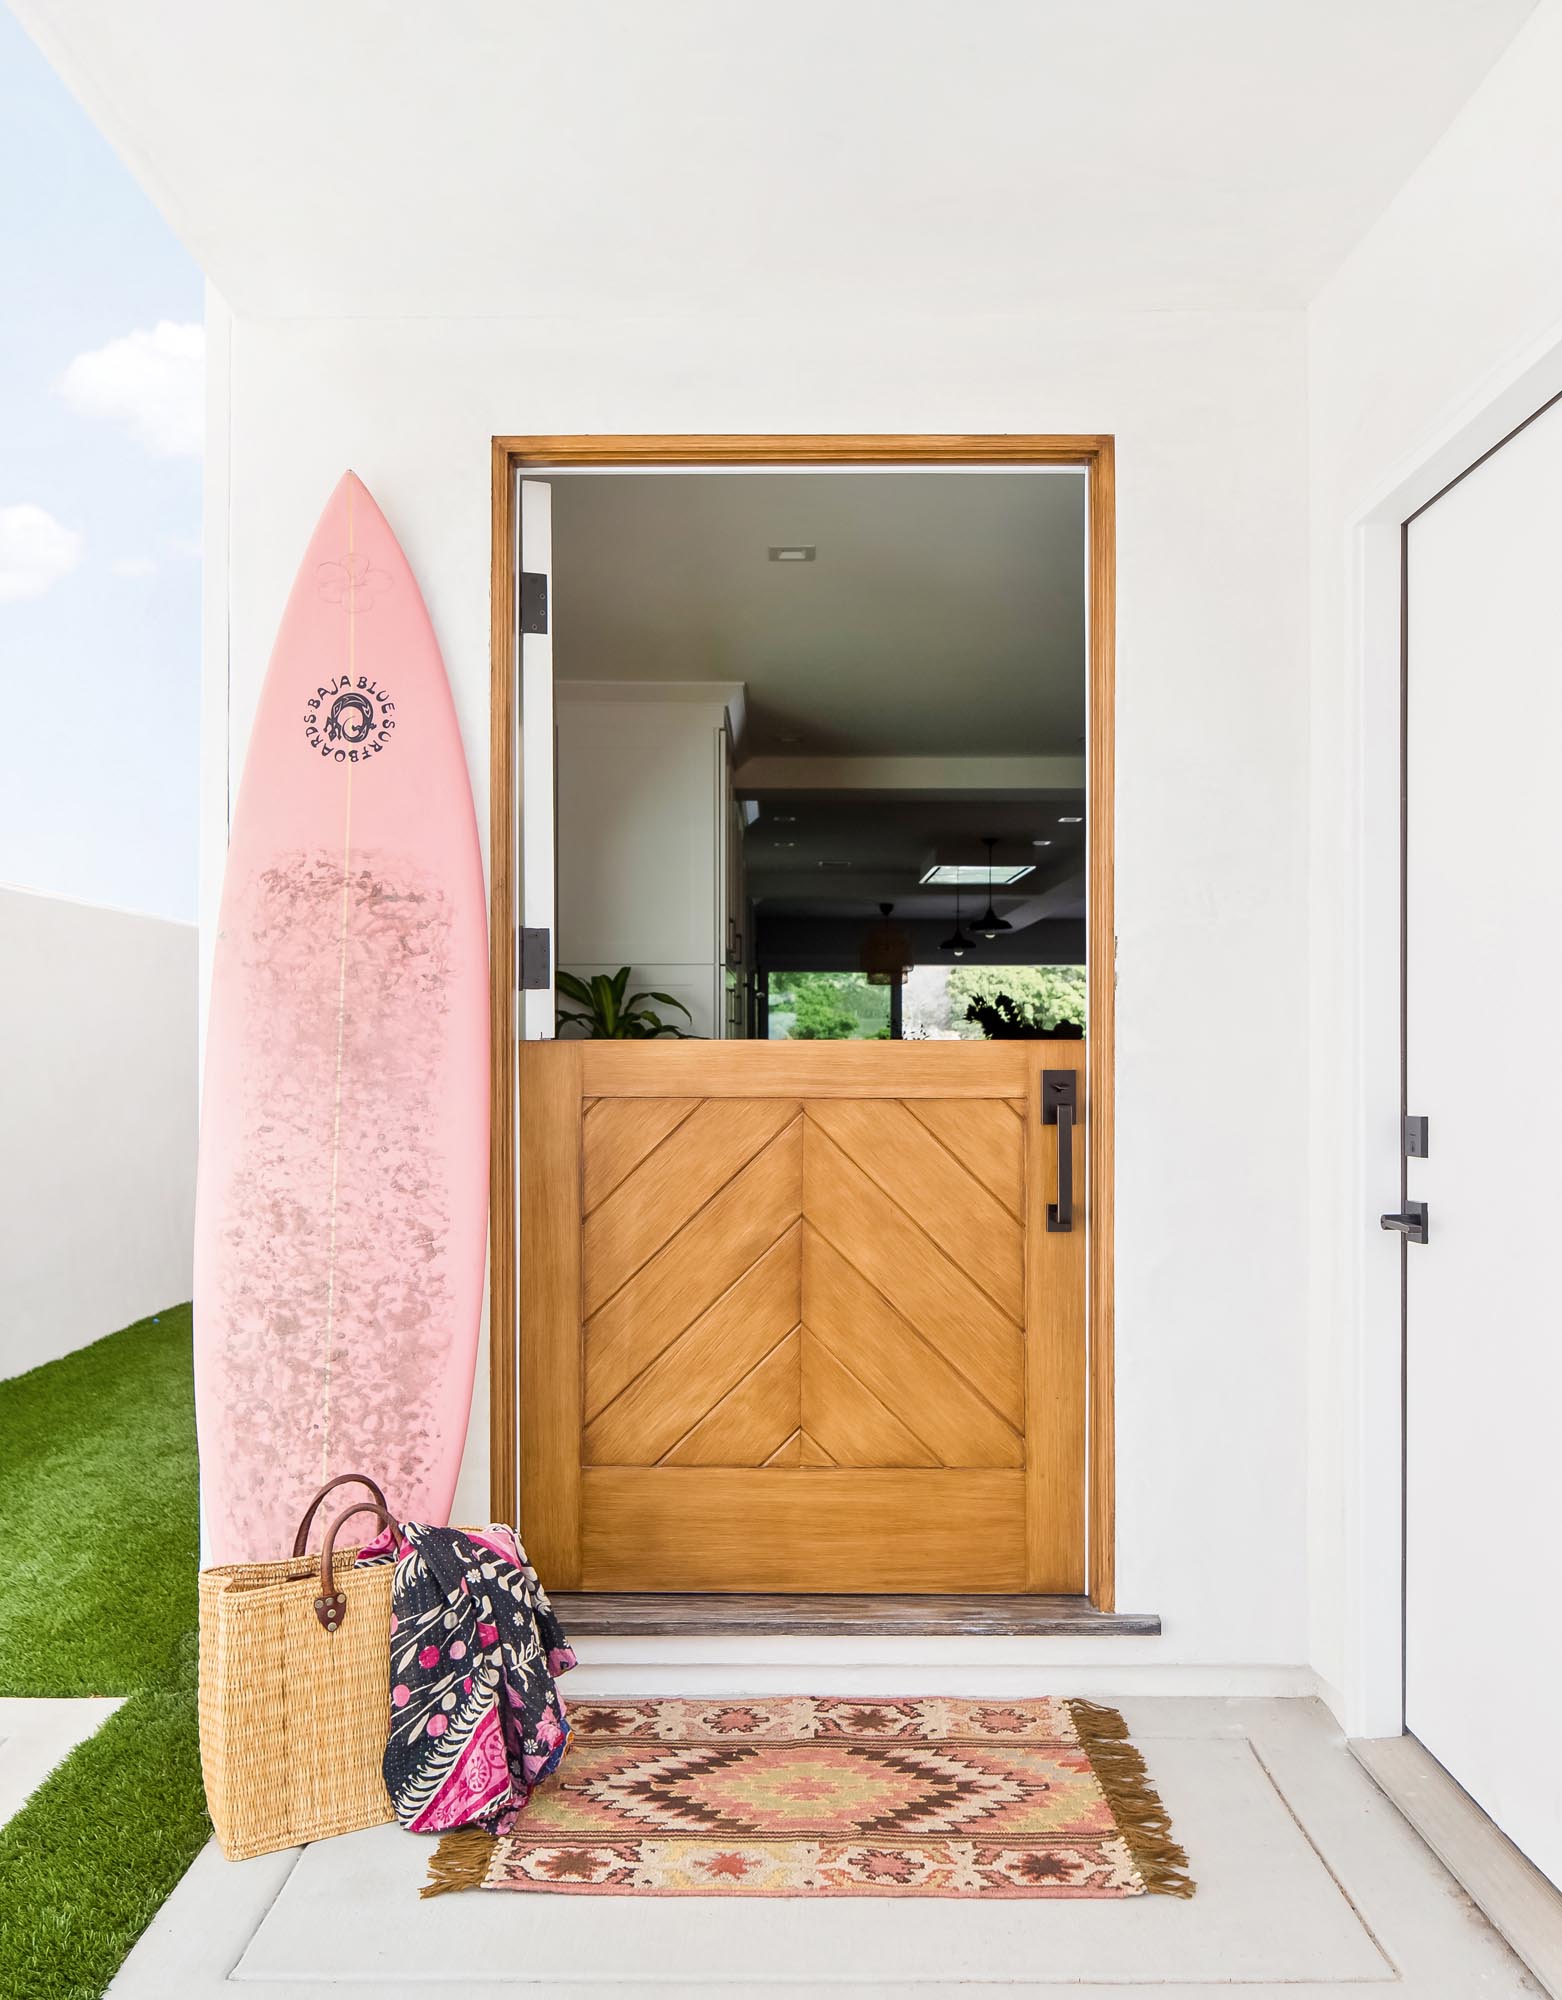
(836, 1797)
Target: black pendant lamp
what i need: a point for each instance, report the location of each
(989, 923)
(957, 942)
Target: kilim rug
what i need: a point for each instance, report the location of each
(810, 1796)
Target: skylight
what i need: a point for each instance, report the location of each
(975, 874)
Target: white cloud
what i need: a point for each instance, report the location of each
(133, 566)
(150, 381)
(35, 552)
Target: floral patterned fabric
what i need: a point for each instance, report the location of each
(476, 1720)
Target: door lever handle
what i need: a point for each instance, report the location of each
(1412, 1225)
(1059, 1101)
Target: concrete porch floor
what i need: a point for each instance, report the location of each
(1311, 1886)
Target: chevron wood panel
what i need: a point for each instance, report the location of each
(753, 1420)
(935, 1189)
(900, 1260)
(987, 1135)
(851, 1423)
(670, 1185)
(621, 1131)
(691, 1271)
(857, 1325)
(671, 1394)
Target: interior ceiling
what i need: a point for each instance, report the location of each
(607, 157)
(943, 614)
(841, 854)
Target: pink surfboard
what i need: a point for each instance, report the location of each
(341, 1208)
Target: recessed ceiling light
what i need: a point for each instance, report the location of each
(784, 819)
(783, 843)
(1071, 819)
(794, 552)
(1041, 843)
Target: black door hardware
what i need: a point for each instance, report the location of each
(1416, 1146)
(1412, 1225)
(536, 949)
(534, 601)
(1059, 1101)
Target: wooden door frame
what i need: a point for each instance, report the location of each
(1096, 456)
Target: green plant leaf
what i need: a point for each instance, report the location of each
(577, 989)
(666, 999)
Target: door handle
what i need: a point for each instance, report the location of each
(1059, 1101)
(1412, 1225)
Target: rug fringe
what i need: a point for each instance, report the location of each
(1136, 1805)
(460, 1861)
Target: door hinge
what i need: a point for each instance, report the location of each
(535, 952)
(534, 601)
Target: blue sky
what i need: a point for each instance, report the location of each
(100, 506)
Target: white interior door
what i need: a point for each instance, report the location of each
(1483, 993)
(537, 834)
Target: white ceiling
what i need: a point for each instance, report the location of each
(943, 614)
(618, 157)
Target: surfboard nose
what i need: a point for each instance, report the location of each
(350, 502)
(350, 483)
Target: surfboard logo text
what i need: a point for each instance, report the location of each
(349, 720)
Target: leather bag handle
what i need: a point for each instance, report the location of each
(331, 1604)
(330, 1486)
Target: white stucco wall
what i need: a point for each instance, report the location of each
(97, 1109)
(1442, 330)
(1209, 414)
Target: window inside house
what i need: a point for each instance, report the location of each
(826, 1007)
(821, 753)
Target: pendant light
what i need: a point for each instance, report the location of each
(887, 953)
(990, 923)
(957, 942)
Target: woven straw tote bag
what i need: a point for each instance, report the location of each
(295, 1691)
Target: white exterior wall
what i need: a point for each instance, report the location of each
(97, 1108)
(1441, 331)
(1209, 415)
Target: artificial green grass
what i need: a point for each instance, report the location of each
(88, 1861)
(99, 1523)
(98, 1516)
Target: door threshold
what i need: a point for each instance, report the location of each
(628, 1614)
(1522, 1906)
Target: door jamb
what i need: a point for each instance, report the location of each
(1095, 454)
